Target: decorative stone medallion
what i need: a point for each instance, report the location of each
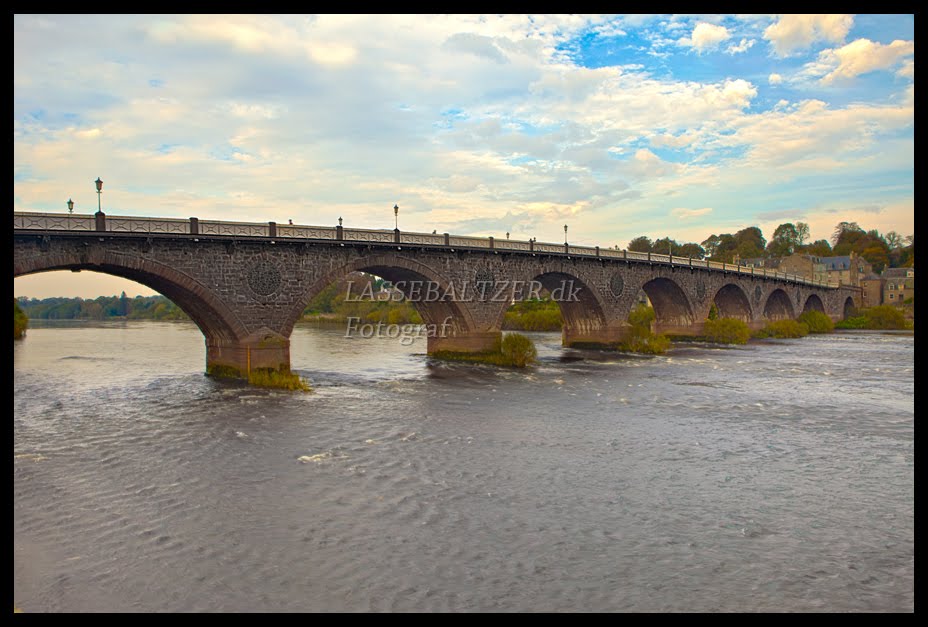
(616, 284)
(484, 275)
(700, 289)
(263, 278)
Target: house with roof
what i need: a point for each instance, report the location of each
(898, 285)
(872, 290)
(846, 269)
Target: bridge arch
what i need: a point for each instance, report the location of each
(398, 269)
(850, 307)
(732, 302)
(215, 320)
(778, 306)
(671, 306)
(813, 303)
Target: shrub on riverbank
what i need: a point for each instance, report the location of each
(20, 321)
(783, 329)
(817, 321)
(726, 331)
(879, 317)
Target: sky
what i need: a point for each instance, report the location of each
(617, 126)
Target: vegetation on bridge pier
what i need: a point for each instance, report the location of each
(640, 338)
(20, 321)
(513, 350)
(282, 379)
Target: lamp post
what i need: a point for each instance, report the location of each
(565, 234)
(70, 206)
(396, 216)
(99, 192)
(339, 222)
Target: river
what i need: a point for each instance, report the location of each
(777, 476)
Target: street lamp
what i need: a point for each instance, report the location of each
(99, 191)
(396, 215)
(339, 221)
(565, 234)
(70, 206)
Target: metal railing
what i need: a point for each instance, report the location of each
(30, 221)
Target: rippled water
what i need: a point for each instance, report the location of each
(772, 477)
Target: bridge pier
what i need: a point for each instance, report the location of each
(604, 337)
(237, 358)
(475, 342)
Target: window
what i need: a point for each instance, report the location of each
(891, 286)
(892, 296)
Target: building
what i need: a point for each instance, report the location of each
(898, 285)
(805, 265)
(872, 286)
(847, 269)
(770, 263)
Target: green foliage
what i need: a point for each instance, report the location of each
(223, 371)
(818, 248)
(20, 321)
(640, 339)
(277, 379)
(139, 308)
(856, 322)
(518, 350)
(641, 315)
(783, 329)
(817, 321)
(641, 244)
(727, 331)
(884, 317)
(534, 315)
(514, 350)
(350, 297)
(713, 312)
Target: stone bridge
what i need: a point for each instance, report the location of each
(246, 284)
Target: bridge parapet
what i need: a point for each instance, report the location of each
(33, 221)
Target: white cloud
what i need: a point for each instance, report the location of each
(705, 36)
(741, 47)
(797, 32)
(682, 213)
(862, 56)
(268, 121)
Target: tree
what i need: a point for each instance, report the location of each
(802, 232)
(665, 246)
(893, 240)
(784, 241)
(726, 248)
(641, 244)
(711, 244)
(818, 248)
(691, 250)
(750, 242)
(842, 230)
(877, 256)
